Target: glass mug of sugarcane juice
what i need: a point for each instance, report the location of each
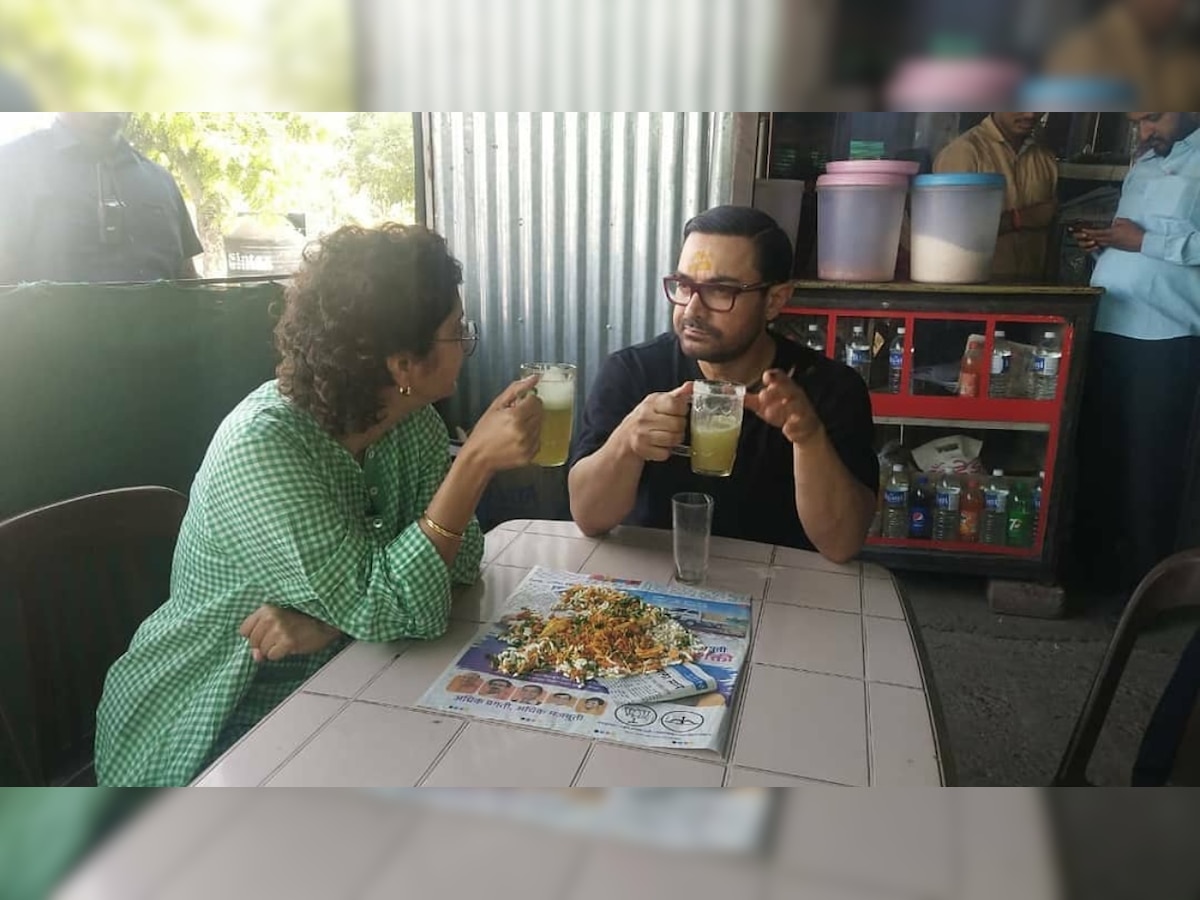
(716, 426)
(556, 390)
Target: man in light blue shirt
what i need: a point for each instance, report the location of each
(1144, 374)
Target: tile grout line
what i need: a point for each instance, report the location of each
(379, 674)
(587, 757)
(818, 781)
(735, 724)
(304, 743)
(895, 684)
(934, 737)
(442, 753)
(743, 694)
(866, 685)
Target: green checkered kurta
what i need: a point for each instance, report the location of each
(279, 513)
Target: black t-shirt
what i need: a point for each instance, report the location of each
(757, 502)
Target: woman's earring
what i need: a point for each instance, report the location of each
(405, 391)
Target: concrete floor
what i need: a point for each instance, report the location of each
(1011, 687)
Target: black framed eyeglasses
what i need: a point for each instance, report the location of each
(468, 336)
(718, 296)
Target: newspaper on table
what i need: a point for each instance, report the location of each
(472, 685)
(731, 820)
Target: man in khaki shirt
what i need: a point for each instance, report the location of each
(1004, 142)
(1145, 43)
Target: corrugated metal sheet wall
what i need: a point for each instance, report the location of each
(565, 223)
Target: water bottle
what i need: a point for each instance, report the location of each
(920, 510)
(1037, 508)
(814, 339)
(946, 516)
(995, 510)
(895, 504)
(858, 354)
(1001, 364)
(1043, 373)
(1020, 515)
(896, 361)
(876, 528)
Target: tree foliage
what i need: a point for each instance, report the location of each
(226, 163)
(379, 159)
(334, 166)
(100, 54)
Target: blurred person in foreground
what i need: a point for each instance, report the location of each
(1144, 367)
(1007, 143)
(79, 204)
(1149, 44)
(326, 507)
(805, 475)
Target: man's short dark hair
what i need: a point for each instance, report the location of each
(773, 248)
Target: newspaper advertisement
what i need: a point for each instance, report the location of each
(472, 685)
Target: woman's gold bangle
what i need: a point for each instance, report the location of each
(444, 532)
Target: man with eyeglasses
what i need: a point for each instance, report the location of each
(806, 474)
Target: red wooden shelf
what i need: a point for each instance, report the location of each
(950, 412)
(956, 546)
(972, 409)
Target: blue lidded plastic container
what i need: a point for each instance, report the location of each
(955, 224)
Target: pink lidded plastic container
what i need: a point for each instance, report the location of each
(872, 167)
(859, 217)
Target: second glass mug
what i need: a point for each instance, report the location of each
(716, 426)
(556, 390)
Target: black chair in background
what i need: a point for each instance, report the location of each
(77, 578)
(1172, 585)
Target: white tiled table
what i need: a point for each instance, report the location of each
(833, 692)
(826, 844)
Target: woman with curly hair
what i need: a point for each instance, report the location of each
(326, 507)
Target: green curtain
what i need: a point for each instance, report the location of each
(105, 386)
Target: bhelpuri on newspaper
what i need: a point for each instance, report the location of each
(595, 632)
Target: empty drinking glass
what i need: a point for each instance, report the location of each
(692, 518)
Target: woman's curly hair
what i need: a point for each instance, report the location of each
(361, 295)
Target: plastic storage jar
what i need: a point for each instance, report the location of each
(955, 222)
(859, 218)
(903, 167)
